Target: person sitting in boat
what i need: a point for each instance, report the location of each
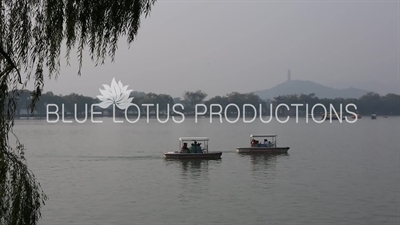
(199, 148)
(192, 148)
(184, 148)
(253, 142)
(266, 142)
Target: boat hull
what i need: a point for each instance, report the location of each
(177, 155)
(333, 118)
(269, 150)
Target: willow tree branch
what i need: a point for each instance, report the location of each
(10, 62)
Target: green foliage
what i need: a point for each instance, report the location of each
(190, 99)
(371, 103)
(194, 98)
(367, 104)
(31, 35)
(239, 100)
(21, 195)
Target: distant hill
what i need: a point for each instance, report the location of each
(308, 87)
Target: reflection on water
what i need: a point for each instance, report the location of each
(94, 174)
(261, 162)
(194, 175)
(192, 166)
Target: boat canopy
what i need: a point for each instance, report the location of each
(193, 138)
(262, 135)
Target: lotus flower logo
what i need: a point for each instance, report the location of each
(115, 94)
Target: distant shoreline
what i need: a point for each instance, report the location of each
(178, 116)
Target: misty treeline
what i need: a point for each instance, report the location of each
(367, 104)
(370, 103)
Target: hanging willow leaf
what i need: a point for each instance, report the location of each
(32, 33)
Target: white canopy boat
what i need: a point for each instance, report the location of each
(197, 150)
(263, 147)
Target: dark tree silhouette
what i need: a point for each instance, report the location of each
(32, 33)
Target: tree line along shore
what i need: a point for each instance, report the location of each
(371, 103)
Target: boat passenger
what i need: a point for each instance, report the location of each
(184, 148)
(192, 148)
(198, 148)
(266, 142)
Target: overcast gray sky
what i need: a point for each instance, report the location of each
(244, 46)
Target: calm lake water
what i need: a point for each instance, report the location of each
(335, 173)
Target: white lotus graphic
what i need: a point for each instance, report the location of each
(115, 94)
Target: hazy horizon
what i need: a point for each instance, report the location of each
(210, 96)
(244, 46)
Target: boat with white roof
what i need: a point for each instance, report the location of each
(267, 145)
(197, 150)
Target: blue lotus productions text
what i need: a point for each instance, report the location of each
(215, 112)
